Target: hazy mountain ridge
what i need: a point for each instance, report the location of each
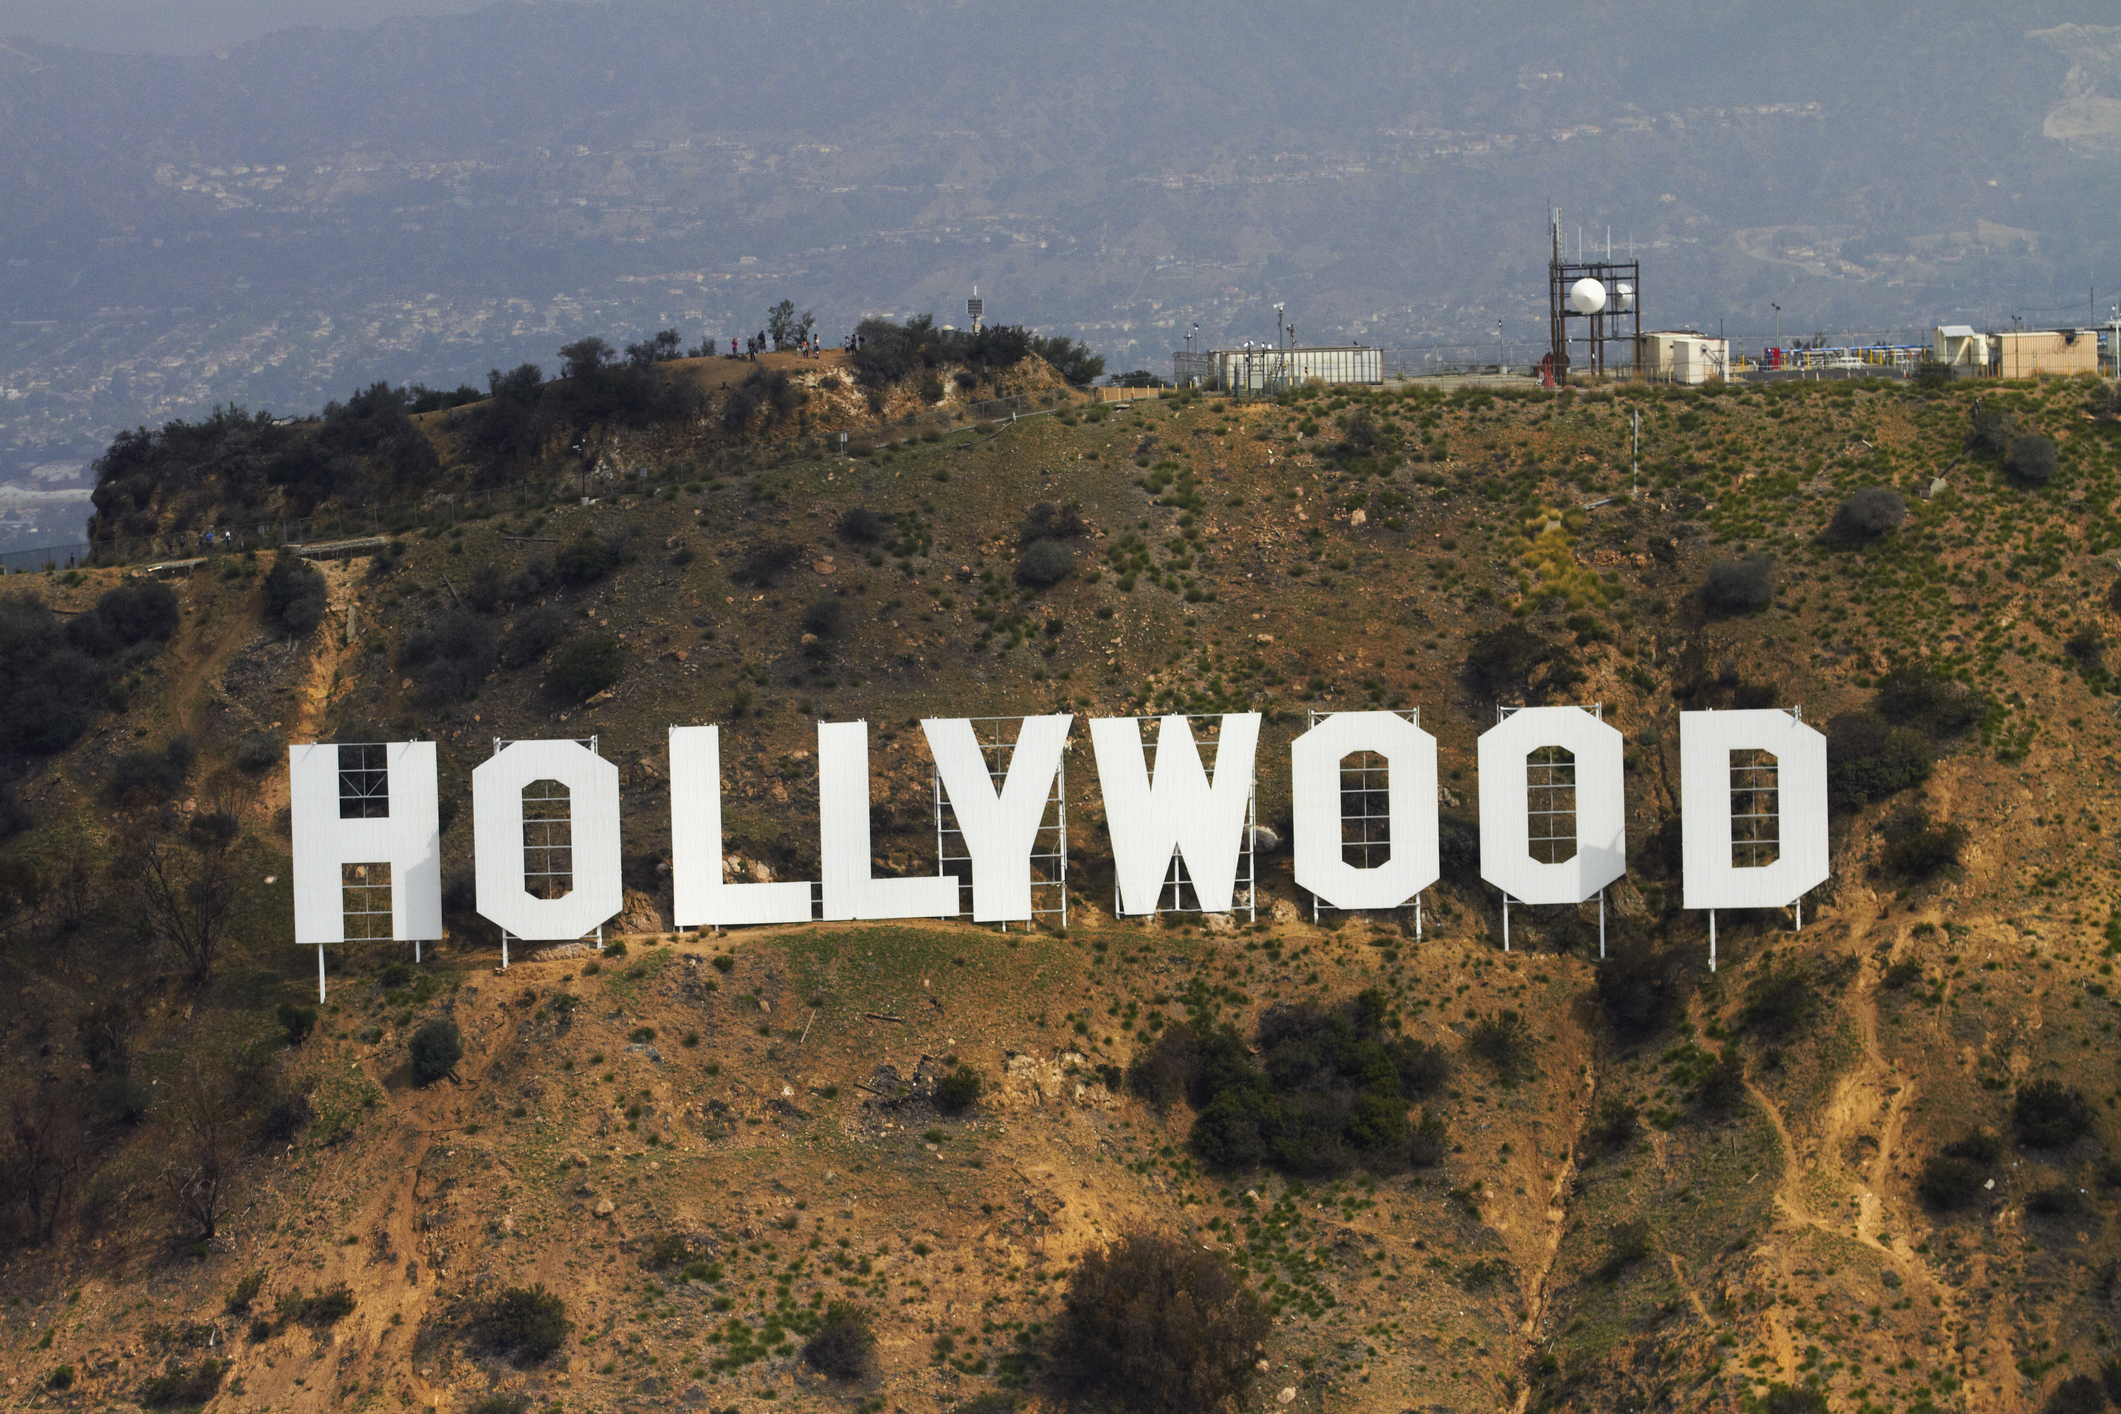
(541, 169)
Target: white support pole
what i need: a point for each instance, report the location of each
(1800, 913)
(1505, 922)
(504, 949)
(1417, 918)
(1712, 940)
(1601, 925)
(415, 952)
(320, 974)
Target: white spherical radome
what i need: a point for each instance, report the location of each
(1587, 296)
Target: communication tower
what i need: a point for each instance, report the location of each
(975, 309)
(1604, 295)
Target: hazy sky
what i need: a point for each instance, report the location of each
(190, 26)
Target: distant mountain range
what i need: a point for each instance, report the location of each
(280, 222)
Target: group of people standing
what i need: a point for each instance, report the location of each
(806, 346)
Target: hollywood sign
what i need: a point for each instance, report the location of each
(367, 839)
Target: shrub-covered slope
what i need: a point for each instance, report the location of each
(1450, 1176)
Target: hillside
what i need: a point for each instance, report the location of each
(1655, 1187)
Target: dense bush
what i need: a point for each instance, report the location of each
(296, 1022)
(765, 562)
(890, 353)
(2079, 1394)
(146, 774)
(435, 1048)
(1947, 1182)
(1155, 1325)
(1868, 758)
(1790, 1399)
(861, 526)
(959, 1090)
(504, 1402)
(1912, 694)
(142, 611)
(1722, 1089)
(1780, 1000)
(583, 560)
(583, 667)
(826, 617)
(183, 1386)
(1916, 846)
(294, 596)
(2032, 458)
(448, 655)
(54, 678)
(767, 390)
(533, 635)
(1991, 430)
(1627, 1245)
(2047, 1114)
(1330, 1089)
(258, 752)
(1503, 1041)
(525, 1324)
(1500, 661)
(1044, 563)
(1638, 988)
(1739, 586)
(1047, 521)
(1869, 513)
(844, 1344)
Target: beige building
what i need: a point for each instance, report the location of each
(1681, 355)
(2035, 353)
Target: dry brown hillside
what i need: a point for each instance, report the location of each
(1863, 1163)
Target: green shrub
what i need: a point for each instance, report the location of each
(61, 1377)
(1044, 563)
(959, 1090)
(1330, 1089)
(182, 1386)
(1502, 1040)
(1155, 1325)
(296, 1022)
(1779, 1001)
(325, 1308)
(525, 1324)
(1946, 1182)
(2047, 1114)
(862, 526)
(1739, 586)
(1917, 847)
(436, 1048)
(533, 634)
(1786, 1399)
(245, 1291)
(1047, 521)
(2079, 1394)
(1627, 1244)
(1617, 1124)
(583, 667)
(584, 560)
(843, 1346)
(1869, 513)
(2032, 458)
(295, 596)
(515, 1403)
(1868, 758)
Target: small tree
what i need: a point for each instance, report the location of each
(436, 1048)
(844, 1344)
(1154, 1325)
(781, 323)
(583, 667)
(585, 359)
(294, 596)
(1869, 513)
(525, 1324)
(1740, 586)
(2047, 1114)
(185, 885)
(1045, 563)
(2032, 458)
(959, 1090)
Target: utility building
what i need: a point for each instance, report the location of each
(1267, 369)
(2031, 353)
(1681, 355)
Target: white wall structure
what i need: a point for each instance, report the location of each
(699, 896)
(497, 834)
(1706, 741)
(326, 838)
(1179, 809)
(843, 838)
(1601, 807)
(999, 828)
(1410, 795)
